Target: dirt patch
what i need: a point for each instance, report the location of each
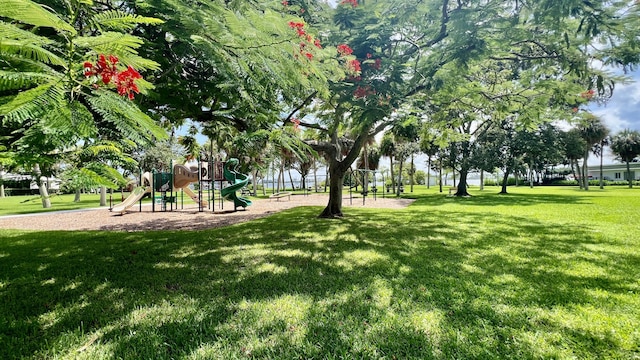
(185, 219)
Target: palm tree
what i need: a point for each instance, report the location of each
(593, 131)
(598, 149)
(626, 145)
(388, 149)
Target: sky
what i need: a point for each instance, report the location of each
(621, 112)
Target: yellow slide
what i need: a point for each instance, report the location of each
(194, 196)
(132, 199)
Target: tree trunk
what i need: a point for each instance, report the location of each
(440, 174)
(393, 179)
(580, 178)
(315, 175)
(413, 170)
(462, 185)
(293, 186)
(254, 182)
(505, 180)
(629, 176)
(42, 187)
(530, 176)
(399, 178)
(573, 170)
(280, 178)
(481, 180)
(2, 173)
(585, 171)
(76, 198)
(273, 177)
(103, 196)
(601, 157)
(428, 172)
(336, 179)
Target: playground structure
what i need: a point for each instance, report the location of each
(360, 177)
(164, 187)
(238, 181)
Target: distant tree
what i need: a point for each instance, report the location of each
(573, 145)
(388, 149)
(598, 150)
(626, 145)
(593, 131)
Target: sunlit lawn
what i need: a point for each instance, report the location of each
(542, 273)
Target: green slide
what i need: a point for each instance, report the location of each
(238, 181)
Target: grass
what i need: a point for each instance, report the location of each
(27, 204)
(542, 273)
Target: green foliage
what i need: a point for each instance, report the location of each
(490, 276)
(626, 145)
(48, 104)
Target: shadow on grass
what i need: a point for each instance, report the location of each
(372, 285)
(494, 198)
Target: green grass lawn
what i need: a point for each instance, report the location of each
(27, 204)
(539, 273)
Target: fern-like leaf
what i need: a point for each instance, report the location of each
(121, 45)
(122, 21)
(10, 80)
(128, 118)
(30, 104)
(29, 12)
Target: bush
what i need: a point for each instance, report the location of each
(564, 183)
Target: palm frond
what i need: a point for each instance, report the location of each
(29, 12)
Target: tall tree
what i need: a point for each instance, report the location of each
(388, 149)
(68, 74)
(593, 131)
(573, 145)
(626, 145)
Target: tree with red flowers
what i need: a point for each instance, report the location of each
(69, 79)
(401, 48)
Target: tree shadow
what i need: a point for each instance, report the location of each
(411, 285)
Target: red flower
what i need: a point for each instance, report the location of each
(296, 123)
(369, 56)
(87, 69)
(301, 32)
(295, 25)
(588, 94)
(106, 69)
(317, 43)
(344, 49)
(362, 92)
(354, 66)
(377, 63)
(353, 3)
(125, 82)
(285, 3)
(309, 55)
